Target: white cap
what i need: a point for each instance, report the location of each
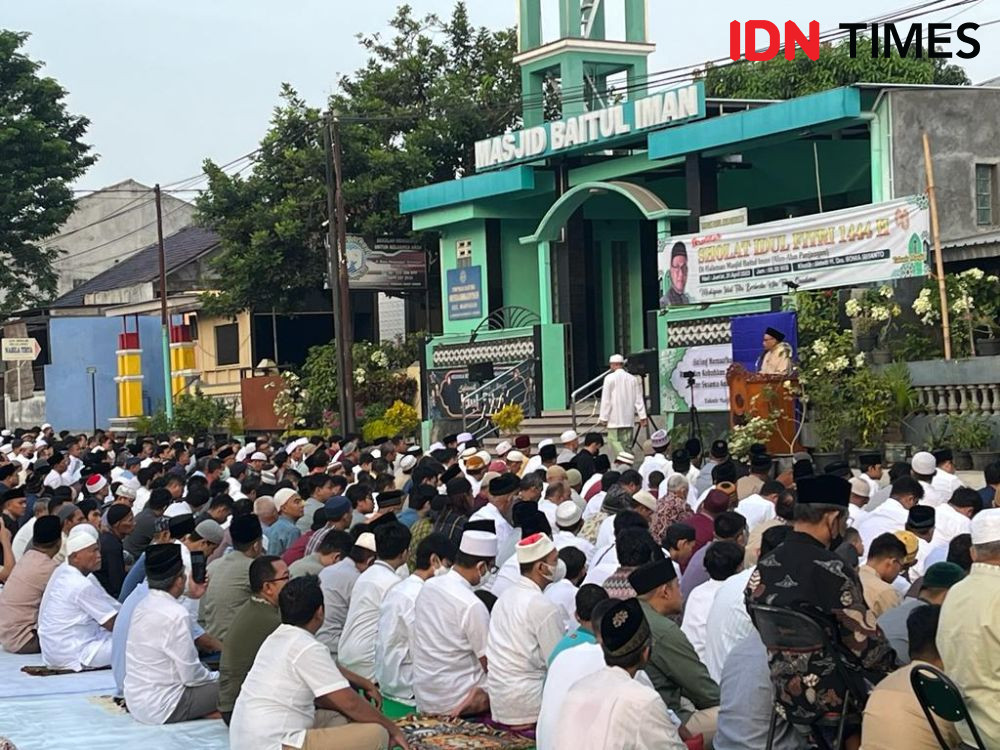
(860, 487)
(479, 544)
(40, 444)
(986, 526)
(468, 453)
(503, 447)
(177, 509)
(923, 463)
(625, 458)
(296, 444)
(367, 541)
(125, 491)
(568, 514)
(258, 456)
(465, 437)
(6, 448)
(268, 477)
(435, 447)
(534, 548)
(5, 433)
(376, 453)
(46, 426)
(643, 498)
(80, 537)
(516, 457)
(545, 443)
(568, 437)
(407, 462)
(616, 359)
(131, 482)
(282, 496)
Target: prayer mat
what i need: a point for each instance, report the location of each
(48, 672)
(438, 733)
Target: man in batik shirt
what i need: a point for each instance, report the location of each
(805, 575)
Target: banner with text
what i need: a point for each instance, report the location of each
(706, 366)
(860, 245)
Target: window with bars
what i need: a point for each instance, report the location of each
(985, 178)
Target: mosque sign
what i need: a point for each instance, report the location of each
(596, 129)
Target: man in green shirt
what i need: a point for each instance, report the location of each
(674, 667)
(229, 577)
(336, 545)
(253, 623)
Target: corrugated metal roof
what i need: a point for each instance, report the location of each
(179, 249)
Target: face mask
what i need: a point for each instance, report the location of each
(441, 571)
(556, 572)
(486, 579)
(224, 474)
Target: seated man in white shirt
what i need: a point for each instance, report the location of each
(165, 682)
(524, 628)
(356, 650)
(563, 593)
(450, 627)
(636, 716)
(77, 615)
(944, 478)
(760, 507)
(295, 696)
(722, 561)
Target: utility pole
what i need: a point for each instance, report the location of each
(164, 315)
(936, 236)
(336, 258)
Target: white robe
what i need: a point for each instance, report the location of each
(622, 400)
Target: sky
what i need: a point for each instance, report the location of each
(168, 84)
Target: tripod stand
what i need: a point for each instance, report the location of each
(694, 430)
(650, 422)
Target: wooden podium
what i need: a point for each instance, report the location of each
(754, 394)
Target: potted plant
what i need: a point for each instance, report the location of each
(508, 419)
(901, 405)
(972, 435)
(872, 314)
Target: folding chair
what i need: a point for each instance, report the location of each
(790, 630)
(939, 696)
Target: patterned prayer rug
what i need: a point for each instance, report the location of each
(437, 733)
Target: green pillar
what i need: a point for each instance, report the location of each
(533, 103)
(635, 20)
(569, 19)
(638, 80)
(571, 74)
(544, 283)
(529, 25)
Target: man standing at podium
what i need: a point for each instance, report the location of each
(777, 356)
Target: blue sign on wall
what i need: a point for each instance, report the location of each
(465, 293)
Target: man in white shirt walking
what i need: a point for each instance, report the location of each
(611, 710)
(77, 615)
(524, 628)
(165, 682)
(295, 696)
(622, 402)
(357, 643)
(450, 628)
(393, 661)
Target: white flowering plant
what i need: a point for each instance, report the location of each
(973, 296)
(873, 311)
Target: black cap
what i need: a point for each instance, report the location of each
(47, 530)
(802, 468)
(531, 520)
(458, 486)
(450, 473)
(624, 629)
(224, 453)
(720, 449)
(389, 495)
(838, 469)
(870, 459)
(116, 513)
(693, 447)
(481, 524)
(245, 529)
(921, 517)
(825, 489)
(382, 520)
(163, 562)
(449, 439)
(760, 462)
(774, 333)
(602, 463)
(651, 575)
(182, 525)
(505, 484)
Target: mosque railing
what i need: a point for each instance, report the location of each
(957, 399)
(515, 385)
(585, 404)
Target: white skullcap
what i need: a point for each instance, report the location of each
(258, 456)
(485, 455)
(923, 463)
(986, 526)
(503, 447)
(616, 359)
(80, 537)
(407, 462)
(367, 541)
(6, 448)
(625, 458)
(533, 548)
(860, 487)
(376, 453)
(644, 499)
(46, 426)
(466, 437)
(125, 491)
(177, 509)
(568, 514)
(282, 496)
(40, 444)
(545, 443)
(132, 483)
(515, 457)
(468, 453)
(568, 437)
(435, 447)
(268, 477)
(479, 544)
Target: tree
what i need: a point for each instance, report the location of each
(41, 153)
(409, 117)
(785, 79)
